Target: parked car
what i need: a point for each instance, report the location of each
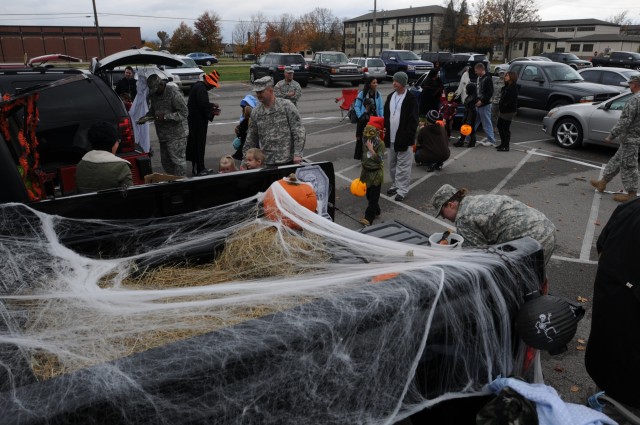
(334, 67)
(505, 66)
(618, 77)
(442, 58)
(273, 64)
(618, 59)
(203, 58)
(546, 85)
(407, 61)
(573, 125)
(249, 57)
(371, 67)
(185, 75)
(569, 59)
(453, 71)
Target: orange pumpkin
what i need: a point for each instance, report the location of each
(358, 187)
(440, 123)
(465, 130)
(301, 192)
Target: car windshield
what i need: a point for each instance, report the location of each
(335, 58)
(293, 59)
(407, 56)
(562, 73)
(188, 63)
(375, 62)
(630, 73)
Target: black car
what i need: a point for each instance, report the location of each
(547, 85)
(568, 58)
(249, 57)
(273, 64)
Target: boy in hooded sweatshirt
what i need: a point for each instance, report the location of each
(372, 173)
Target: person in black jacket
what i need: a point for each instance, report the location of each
(507, 108)
(126, 87)
(200, 112)
(401, 125)
(432, 147)
(432, 88)
(469, 118)
(612, 358)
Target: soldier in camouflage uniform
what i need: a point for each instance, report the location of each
(625, 160)
(275, 127)
(169, 111)
(288, 88)
(493, 219)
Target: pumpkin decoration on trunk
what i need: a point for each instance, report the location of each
(300, 191)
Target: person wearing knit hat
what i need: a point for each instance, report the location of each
(201, 112)
(372, 172)
(401, 125)
(432, 145)
(100, 168)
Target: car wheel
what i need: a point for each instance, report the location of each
(568, 133)
(304, 83)
(252, 77)
(207, 62)
(326, 81)
(559, 102)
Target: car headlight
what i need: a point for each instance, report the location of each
(585, 99)
(411, 68)
(552, 112)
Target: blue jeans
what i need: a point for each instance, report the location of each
(484, 117)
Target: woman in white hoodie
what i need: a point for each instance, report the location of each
(464, 80)
(100, 168)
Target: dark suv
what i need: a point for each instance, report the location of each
(273, 64)
(407, 61)
(568, 59)
(66, 112)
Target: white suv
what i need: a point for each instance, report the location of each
(372, 67)
(187, 74)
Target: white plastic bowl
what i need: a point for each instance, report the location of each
(454, 239)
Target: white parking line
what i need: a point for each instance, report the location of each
(587, 240)
(513, 172)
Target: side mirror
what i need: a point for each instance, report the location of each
(539, 80)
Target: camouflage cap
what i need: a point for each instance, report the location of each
(441, 196)
(635, 79)
(288, 69)
(262, 83)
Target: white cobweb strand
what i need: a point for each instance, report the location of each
(353, 331)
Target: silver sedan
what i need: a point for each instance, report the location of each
(572, 125)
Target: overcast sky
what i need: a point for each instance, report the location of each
(156, 15)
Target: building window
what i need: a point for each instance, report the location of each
(587, 47)
(548, 46)
(586, 28)
(520, 46)
(547, 29)
(568, 29)
(575, 48)
(393, 27)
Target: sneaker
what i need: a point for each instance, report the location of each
(392, 191)
(431, 168)
(439, 167)
(482, 141)
(365, 222)
(399, 198)
(485, 142)
(458, 144)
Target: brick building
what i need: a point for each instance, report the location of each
(80, 42)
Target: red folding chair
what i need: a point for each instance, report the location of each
(346, 101)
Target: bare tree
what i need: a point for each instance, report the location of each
(240, 37)
(257, 25)
(512, 19)
(322, 30)
(164, 40)
(208, 31)
(621, 19)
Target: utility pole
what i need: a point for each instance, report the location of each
(374, 28)
(100, 39)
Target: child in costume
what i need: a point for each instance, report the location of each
(372, 173)
(470, 114)
(448, 112)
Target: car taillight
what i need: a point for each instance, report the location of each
(280, 67)
(365, 69)
(125, 132)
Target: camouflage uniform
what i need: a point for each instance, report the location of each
(282, 88)
(625, 160)
(493, 219)
(277, 131)
(172, 130)
(498, 84)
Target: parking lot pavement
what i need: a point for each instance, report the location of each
(535, 171)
